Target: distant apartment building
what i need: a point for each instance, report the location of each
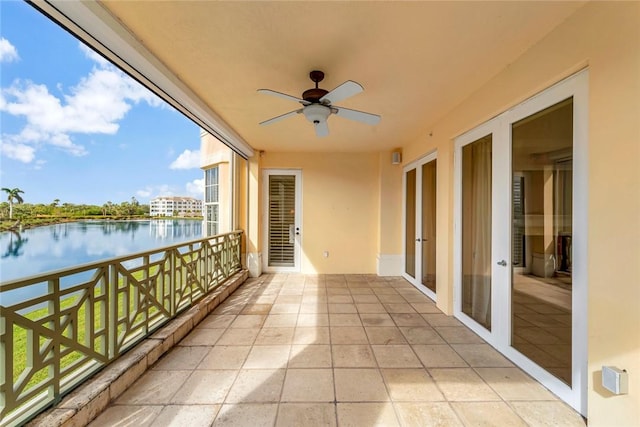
(175, 206)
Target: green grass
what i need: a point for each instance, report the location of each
(20, 335)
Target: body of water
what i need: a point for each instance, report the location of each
(53, 247)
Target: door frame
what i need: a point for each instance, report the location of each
(575, 86)
(297, 251)
(417, 165)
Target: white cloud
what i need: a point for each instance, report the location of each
(187, 160)
(8, 52)
(143, 193)
(195, 188)
(15, 150)
(95, 105)
(151, 191)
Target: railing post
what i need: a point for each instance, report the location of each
(239, 250)
(205, 264)
(225, 256)
(172, 282)
(230, 257)
(145, 281)
(6, 363)
(112, 310)
(54, 311)
(193, 263)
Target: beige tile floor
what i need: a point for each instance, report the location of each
(354, 350)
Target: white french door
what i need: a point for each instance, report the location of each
(419, 183)
(282, 227)
(520, 228)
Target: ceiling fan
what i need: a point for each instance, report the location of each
(318, 104)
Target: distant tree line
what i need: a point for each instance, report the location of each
(15, 214)
(70, 210)
(16, 209)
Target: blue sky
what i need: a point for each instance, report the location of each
(75, 128)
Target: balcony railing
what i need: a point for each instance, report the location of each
(59, 328)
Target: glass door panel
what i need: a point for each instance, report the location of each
(428, 217)
(410, 223)
(476, 230)
(541, 273)
(420, 224)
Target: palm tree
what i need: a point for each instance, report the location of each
(54, 205)
(13, 194)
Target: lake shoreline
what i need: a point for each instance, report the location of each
(66, 244)
(25, 224)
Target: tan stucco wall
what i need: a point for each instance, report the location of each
(215, 153)
(212, 151)
(605, 37)
(339, 209)
(390, 202)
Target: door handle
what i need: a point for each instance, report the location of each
(502, 263)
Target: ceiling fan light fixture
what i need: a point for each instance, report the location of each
(316, 113)
(318, 104)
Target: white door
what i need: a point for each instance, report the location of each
(419, 183)
(520, 236)
(476, 230)
(283, 220)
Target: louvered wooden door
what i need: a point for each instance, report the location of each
(282, 225)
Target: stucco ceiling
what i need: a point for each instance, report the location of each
(416, 60)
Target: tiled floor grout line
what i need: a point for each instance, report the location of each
(396, 404)
(321, 290)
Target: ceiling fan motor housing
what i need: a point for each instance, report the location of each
(313, 95)
(316, 113)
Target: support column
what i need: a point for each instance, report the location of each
(254, 255)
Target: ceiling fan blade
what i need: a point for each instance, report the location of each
(344, 91)
(359, 116)
(283, 116)
(283, 95)
(322, 129)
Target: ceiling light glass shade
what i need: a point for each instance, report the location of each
(316, 113)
